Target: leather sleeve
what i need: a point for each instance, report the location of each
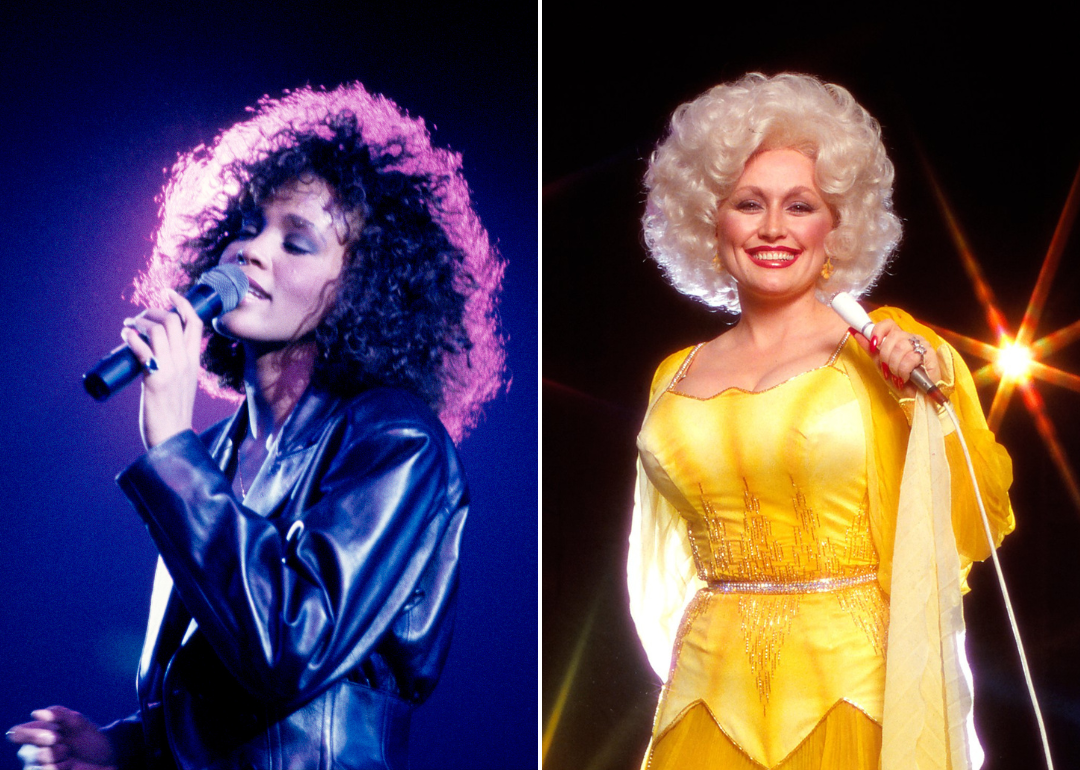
(381, 506)
(126, 737)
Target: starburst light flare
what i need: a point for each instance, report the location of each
(1015, 359)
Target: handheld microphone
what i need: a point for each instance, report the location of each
(218, 291)
(852, 312)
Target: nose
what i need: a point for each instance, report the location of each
(773, 227)
(250, 253)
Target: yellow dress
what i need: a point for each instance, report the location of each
(757, 563)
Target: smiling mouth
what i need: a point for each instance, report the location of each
(773, 256)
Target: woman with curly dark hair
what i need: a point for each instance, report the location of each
(303, 600)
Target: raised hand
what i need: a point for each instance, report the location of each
(168, 344)
(898, 352)
(61, 739)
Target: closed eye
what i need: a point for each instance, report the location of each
(299, 247)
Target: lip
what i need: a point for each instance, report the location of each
(773, 256)
(255, 291)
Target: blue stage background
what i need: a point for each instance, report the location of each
(97, 103)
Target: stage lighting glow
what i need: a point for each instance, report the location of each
(1014, 361)
(1017, 361)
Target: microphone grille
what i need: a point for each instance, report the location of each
(229, 282)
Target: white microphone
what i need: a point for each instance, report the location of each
(852, 312)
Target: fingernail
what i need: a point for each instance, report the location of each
(885, 369)
(899, 382)
(874, 344)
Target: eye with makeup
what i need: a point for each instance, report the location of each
(295, 244)
(802, 207)
(747, 205)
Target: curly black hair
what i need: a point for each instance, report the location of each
(415, 303)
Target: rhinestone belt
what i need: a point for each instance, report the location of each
(821, 585)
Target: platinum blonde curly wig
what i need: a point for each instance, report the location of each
(695, 167)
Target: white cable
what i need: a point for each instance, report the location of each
(1004, 590)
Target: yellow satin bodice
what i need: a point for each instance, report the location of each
(772, 487)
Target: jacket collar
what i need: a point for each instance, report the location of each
(301, 430)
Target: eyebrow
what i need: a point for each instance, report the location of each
(792, 191)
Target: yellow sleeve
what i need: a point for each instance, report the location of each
(993, 467)
(661, 577)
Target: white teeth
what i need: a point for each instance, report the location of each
(774, 256)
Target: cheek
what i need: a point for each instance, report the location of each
(817, 233)
(728, 232)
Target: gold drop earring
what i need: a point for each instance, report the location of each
(827, 268)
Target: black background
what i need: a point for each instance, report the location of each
(989, 102)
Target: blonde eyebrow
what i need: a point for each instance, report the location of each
(789, 193)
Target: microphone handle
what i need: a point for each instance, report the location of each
(120, 366)
(853, 313)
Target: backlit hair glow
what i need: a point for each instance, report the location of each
(695, 167)
(416, 303)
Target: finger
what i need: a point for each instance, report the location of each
(66, 718)
(183, 308)
(161, 342)
(138, 345)
(49, 756)
(147, 319)
(28, 755)
(41, 733)
(882, 330)
(193, 325)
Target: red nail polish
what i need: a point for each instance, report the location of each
(885, 369)
(875, 343)
(899, 382)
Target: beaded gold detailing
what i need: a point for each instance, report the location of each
(769, 570)
(760, 556)
(866, 606)
(698, 606)
(820, 586)
(766, 622)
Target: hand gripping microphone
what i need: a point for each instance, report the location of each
(852, 312)
(218, 291)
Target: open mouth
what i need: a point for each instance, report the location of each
(773, 257)
(256, 291)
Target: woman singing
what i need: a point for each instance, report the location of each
(304, 597)
(764, 560)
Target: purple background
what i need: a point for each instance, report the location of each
(96, 103)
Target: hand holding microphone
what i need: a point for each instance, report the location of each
(891, 342)
(217, 292)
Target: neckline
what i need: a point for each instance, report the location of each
(681, 374)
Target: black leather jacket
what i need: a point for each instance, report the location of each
(305, 624)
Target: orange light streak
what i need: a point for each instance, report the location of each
(1035, 406)
(1050, 264)
(1007, 382)
(983, 292)
(1054, 376)
(1055, 341)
